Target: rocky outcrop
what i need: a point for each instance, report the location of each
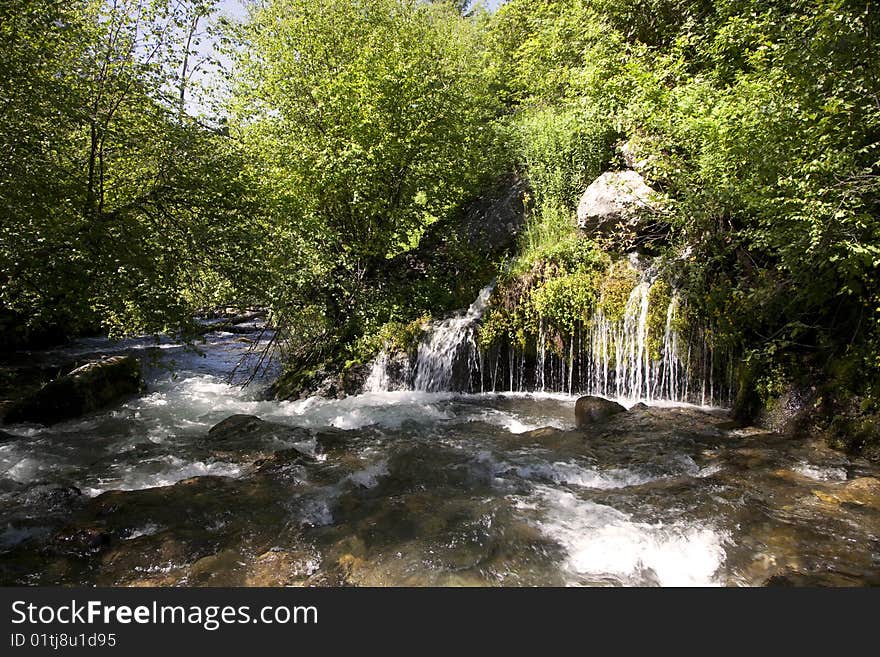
(590, 410)
(617, 201)
(789, 412)
(86, 389)
(329, 382)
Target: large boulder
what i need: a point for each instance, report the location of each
(616, 201)
(88, 388)
(589, 410)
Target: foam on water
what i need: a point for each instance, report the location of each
(820, 473)
(604, 544)
(162, 472)
(561, 472)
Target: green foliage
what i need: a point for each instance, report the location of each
(554, 288)
(396, 337)
(369, 119)
(660, 300)
(761, 122)
(563, 150)
(366, 123)
(115, 208)
(356, 130)
(566, 302)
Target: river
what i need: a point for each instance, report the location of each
(416, 488)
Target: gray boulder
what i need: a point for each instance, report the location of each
(590, 410)
(616, 200)
(88, 388)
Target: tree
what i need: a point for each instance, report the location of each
(99, 169)
(367, 121)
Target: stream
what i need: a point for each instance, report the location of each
(416, 488)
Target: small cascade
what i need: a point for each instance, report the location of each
(640, 355)
(450, 344)
(447, 358)
(378, 379)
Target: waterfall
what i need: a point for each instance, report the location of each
(621, 357)
(446, 343)
(447, 355)
(378, 379)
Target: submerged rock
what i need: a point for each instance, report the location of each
(247, 434)
(236, 425)
(616, 199)
(589, 410)
(280, 567)
(862, 491)
(86, 389)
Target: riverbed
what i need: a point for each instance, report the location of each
(416, 488)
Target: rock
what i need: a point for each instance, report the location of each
(282, 568)
(789, 412)
(84, 390)
(82, 540)
(236, 424)
(542, 433)
(640, 407)
(633, 157)
(615, 200)
(863, 491)
(589, 410)
(225, 568)
(329, 383)
(250, 437)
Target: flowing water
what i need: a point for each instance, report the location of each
(612, 358)
(417, 488)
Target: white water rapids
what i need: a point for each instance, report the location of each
(427, 488)
(158, 439)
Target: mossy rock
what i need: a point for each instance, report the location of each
(616, 288)
(86, 389)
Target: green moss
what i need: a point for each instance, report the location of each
(659, 298)
(566, 301)
(394, 336)
(554, 284)
(292, 382)
(856, 435)
(616, 288)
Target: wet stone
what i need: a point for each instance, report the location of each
(281, 567)
(590, 410)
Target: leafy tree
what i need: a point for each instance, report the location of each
(367, 121)
(115, 205)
